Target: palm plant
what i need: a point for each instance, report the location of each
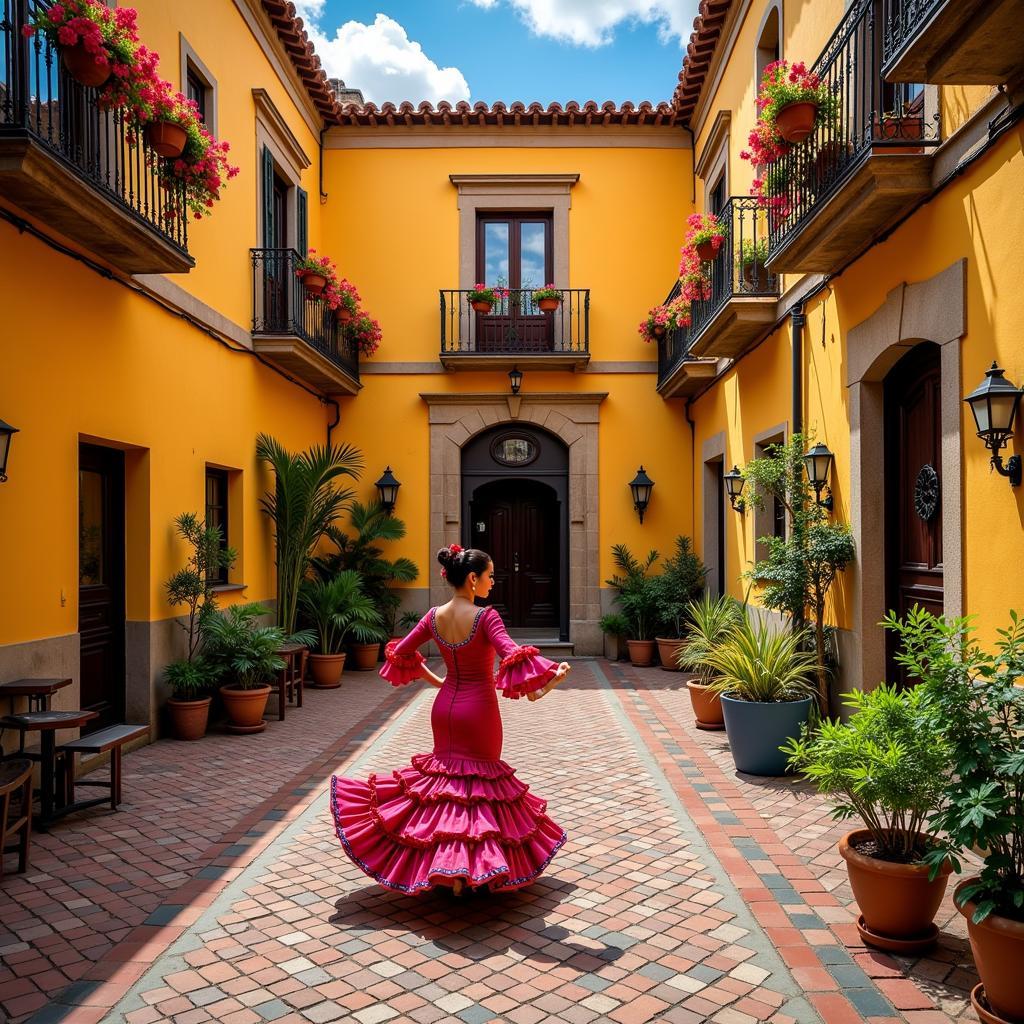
(237, 647)
(712, 620)
(304, 505)
(362, 553)
(637, 593)
(340, 609)
(760, 664)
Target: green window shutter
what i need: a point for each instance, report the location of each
(268, 199)
(302, 217)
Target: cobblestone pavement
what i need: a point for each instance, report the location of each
(685, 893)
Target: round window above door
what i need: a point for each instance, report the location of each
(514, 450)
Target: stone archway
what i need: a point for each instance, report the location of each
(573, 417)
(932, 310)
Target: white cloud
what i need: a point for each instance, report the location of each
(381, 60)
(593, 22)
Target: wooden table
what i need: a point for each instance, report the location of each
(46, 723)
(38, 691)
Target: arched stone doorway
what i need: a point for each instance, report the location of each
(515, 492)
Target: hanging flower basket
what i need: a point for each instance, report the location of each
(482, 298)
(795, 121)
(707, 251)
(705, 235)
(83, 67)
(314, 283)
(344, 315)
(481, 306)
(548, 298)
(167, 138)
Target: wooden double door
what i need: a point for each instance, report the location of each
(517, 522)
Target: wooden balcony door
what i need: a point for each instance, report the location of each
(515, 252)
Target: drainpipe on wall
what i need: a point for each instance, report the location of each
(797, 323)
(337, 418)
(323, 194)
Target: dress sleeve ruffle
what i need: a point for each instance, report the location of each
(399, 669)
(523, 671)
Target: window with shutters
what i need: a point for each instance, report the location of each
(198, 84)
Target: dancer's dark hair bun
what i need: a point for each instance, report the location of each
(458, 565)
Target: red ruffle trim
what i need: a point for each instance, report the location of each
(399, 669)
(517, 657)
(522, 672)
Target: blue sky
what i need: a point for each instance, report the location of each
(506, 50)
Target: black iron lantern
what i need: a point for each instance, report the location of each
(6, 433)
(641, 485)
(734, 488)
(994, 404)
(818, 463)
(387, 489)
(515, 378)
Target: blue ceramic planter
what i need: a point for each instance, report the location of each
(756, 731)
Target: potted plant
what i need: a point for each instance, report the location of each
(888, 767)
(303, 505)
(752, 259)
(346, 305)
(765, 679)
(548, 298)
(339, 610)
(978, 709)
(638, 599)
(167, 117)
(482, 298)
(199, 173)
(671, 316)
(705, 235)
(190, 677)
(791, 100)
(711, 620)
(244, 653)
(614, 626)
(680, 583)
(694, 283)
(315, 271)
(364, 332)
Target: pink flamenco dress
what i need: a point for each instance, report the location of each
(458, 812)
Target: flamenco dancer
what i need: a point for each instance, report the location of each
(456, 817)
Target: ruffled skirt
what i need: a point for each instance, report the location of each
(445, 818)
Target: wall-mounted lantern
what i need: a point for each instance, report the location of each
(387, 490)
(515, 378)
(641, 485)
(6, 433)
(734, 488)
(994, 404)
(818, 462)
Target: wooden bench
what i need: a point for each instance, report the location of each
(112, 739)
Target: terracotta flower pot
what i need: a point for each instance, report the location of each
(245, 708)
(707, 251)
(641, 652)
(998, 947)
(326, 670)
(82, 66)
(314, 283)
(897, 902)
(549, 305)
(795, 121)
(188, 718)
(344, 315)
(365, 656)
(755, 277)
(707, 706)
(668, 652)
(480, 306)
(167, 138)
(659, 331)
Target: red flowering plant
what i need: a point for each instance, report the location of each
(201, 171)
(773, 192)
(365, 332)
(705, 234)
(693, 276)
(549, 291)
(319, 266)
(342, 296)
(667, 317)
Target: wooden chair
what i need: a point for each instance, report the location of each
(16, 777)
(113, 739)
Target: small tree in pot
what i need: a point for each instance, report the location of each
(339, 609)
(191, 676)
(977, 707)
(712, 620)
(680, 582)
(638, 598)
(244, 653)
(888, 767)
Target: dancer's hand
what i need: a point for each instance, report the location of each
(564, 668)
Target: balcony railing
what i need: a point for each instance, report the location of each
(738, 270)
(283, 308)
(674, 347)
(902, 20)
(41, 103)
(870, 116)
(516, 326)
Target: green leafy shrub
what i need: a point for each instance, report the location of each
(241, 652)
(681, 581)
(341, 612)
(636, 592)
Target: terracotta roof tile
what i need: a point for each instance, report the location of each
(293, 37)
(707, 28)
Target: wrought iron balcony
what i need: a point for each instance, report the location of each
(952, 42)
(861, 168)
(741, 296)
(515, 330)
(76, 167)
(679, 372)
(298, 331)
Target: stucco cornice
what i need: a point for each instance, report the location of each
(266, 108)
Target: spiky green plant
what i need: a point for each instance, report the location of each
(241, 651)
(636, 592)
(760, 663)
(712, 619)
(303, 505)
(339, 610)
